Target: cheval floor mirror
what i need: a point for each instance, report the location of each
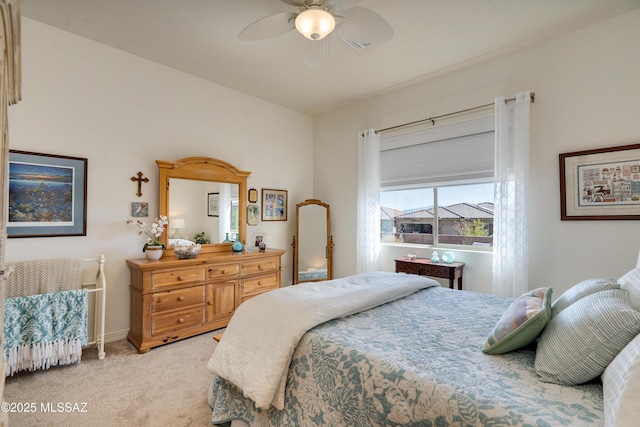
(312, 243)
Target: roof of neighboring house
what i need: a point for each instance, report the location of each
(422, 213)
(389, 213)
(456, 211)
(469, 210)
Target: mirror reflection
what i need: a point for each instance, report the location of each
(205, 200)
(198, 207)
(313, 242)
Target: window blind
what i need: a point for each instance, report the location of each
(446, 154)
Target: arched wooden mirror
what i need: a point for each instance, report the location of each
(208, 196)
(313, 243)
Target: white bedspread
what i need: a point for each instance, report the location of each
(255, 351)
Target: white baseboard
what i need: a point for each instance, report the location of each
(113, 336)
(116, 336)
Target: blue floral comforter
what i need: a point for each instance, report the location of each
(414, 362)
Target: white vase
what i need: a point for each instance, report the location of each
(153, 253)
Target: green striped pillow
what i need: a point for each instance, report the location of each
(522, 323)
(581, 340)
(581, 290)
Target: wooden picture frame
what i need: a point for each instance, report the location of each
(252, 195)
(47, 195)
(600, 184)
(213, 204)
(274, 205)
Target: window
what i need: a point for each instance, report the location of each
(464, 215)
(437, 185)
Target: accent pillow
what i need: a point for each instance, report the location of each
(579, 343)
(581, 290)
(631, 282)
(522, 323)
(621, 387)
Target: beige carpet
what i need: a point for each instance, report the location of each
(165, 387)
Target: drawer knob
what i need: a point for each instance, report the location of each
(181, 298)
(210, 302)
(224, 271)
(159, 300)
(181, 320)
(260, 267)
(259, 282)
(181, 278)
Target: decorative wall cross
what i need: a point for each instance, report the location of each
(140, 180)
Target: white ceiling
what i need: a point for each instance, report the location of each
(199, 37)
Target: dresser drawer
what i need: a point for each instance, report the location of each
(435, 271)
(223, 271)
(176, 321)
(259, 284)
(256, 267)
(407, 267)
(179, 276)
(178, 299)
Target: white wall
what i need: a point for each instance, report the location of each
(587, 96)
(84, 99)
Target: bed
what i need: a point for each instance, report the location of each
(418, 360)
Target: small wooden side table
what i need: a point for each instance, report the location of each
(424, 267)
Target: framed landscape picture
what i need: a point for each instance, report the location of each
(47, 195)
(600, 184)
(274, 205)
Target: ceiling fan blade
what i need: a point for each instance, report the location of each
(269, 26)
(341, 5)
(294, 2)
(314, 52)
(363, 25)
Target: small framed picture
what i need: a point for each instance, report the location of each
(274, 205)
(213, 204)
(139, 209)
(258, 238)
(253, 195)
(253, 214)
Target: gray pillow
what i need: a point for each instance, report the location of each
(581, 290)
(579, 342)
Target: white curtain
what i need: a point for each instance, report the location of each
(511, 211)
(368, 204)
(224, 211)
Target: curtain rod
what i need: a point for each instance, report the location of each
(432, 119)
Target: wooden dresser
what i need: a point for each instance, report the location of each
(172, 298)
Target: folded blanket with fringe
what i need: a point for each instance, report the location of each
(44, 330)
(42, 276)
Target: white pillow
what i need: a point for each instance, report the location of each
(621, 387)
(631, 282)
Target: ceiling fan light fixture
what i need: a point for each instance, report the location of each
(315, 23)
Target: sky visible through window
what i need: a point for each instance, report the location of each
(412, 199)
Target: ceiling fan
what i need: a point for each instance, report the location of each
(316, 22)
